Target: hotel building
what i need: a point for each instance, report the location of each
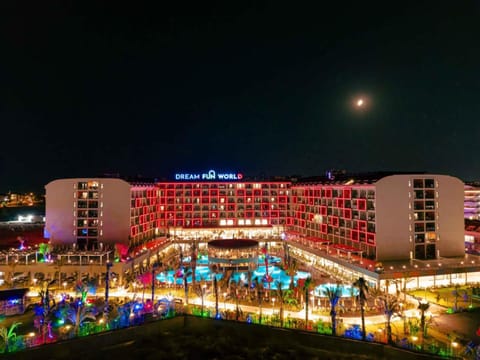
(472, 202)
(384, 217)
(412, 223)
(90, 213)
(85, 212)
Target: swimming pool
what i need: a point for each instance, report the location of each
(346, 290)
(203, 273)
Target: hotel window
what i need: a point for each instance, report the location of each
(419, 216)
(417, 183)
(430, 226)
(430, 205)
(93, 195)
(429, 183)
(419, 194)
(419, 227)
(82, 186)
(82, 194)
(93, 185)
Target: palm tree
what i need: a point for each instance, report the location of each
(391, 306)
(43, 249)
(333, 293)
(45, 309)
(259, 293)
(286, 253)
(8, 335)
(281, 294)
(456, 294)
(234, 286)
(353, 296)
(193, 261)
(145, 279)
(362, 287)
(77, 313)
(59, 263)
(291, 270)
(215, 289)
(307, 286)
(186, 273)
(423, 306)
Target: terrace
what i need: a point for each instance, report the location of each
(31, 256)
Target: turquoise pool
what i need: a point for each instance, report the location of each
(202, 272)
(346, 290)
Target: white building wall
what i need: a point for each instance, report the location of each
(451, 223)
(395, 216)
(391, 218)
(114, 210)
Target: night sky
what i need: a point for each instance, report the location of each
(265, 88)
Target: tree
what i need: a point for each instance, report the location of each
(286, 253)
(333, 293)
(391, 306)
(456, 294)
(353, 296)
(186, 273)
(45, 310)
(423, 306)
(44, 250)
(259, 294)
(215, 289)
(145, 279)
(59, 263)
(362, 287)
(281, 295)
(77, 312)
(291, 270)
(8, 335)
(307, 286)
(234, 286)
(193, 262)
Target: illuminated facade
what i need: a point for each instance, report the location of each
(385, 217)
(396, 217)
(472, 202)
(223, 204)
(89, 213)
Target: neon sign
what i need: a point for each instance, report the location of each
(210, 175)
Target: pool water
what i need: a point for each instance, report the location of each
(203, 273)
(346, 290)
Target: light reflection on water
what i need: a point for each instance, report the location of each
(346, 290)
(202, 272)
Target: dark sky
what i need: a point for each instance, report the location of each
(262, 88)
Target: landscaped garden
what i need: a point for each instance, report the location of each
(81, 311)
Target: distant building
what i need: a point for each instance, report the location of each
(12, 301)
(472, 236)
(472, 202)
